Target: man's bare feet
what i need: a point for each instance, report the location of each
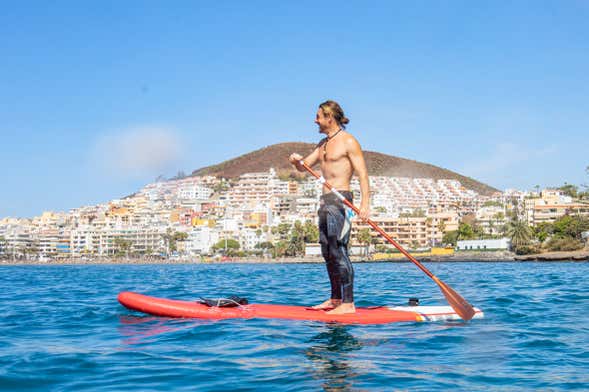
(329, 304)
(343, 309)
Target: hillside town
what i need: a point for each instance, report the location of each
(268, 215)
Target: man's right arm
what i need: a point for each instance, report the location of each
(311, 159)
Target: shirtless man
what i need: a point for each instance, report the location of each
(339, 155)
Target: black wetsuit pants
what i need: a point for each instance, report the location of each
(334, 234)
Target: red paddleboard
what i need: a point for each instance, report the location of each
(373, 315)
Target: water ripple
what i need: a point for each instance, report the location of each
(63, 330)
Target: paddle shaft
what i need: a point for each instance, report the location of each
(369, 221)
(462, 307)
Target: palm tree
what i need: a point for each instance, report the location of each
(441, 227)
(519, 232)
(123, 246)
(365, 237)
(499, 217)
(491, 227)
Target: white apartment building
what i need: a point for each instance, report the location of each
(194, 192)
(249, 238)
(491, 218)
(494, 244)
(254, 188)
(201, 239)
(18, 240)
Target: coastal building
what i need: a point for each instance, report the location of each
(18, 240)
(194, 192)
(551, 212)
(491, 218)
(491, 244)
(207, 208)
(254, 188)
(48, 241)
(407, 231)
(201, 239)
(551, 205)
(410, 231)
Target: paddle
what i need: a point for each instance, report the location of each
(459, 304)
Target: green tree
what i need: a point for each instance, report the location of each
(478, 230)
(465, 232)
(499, 218)
(450, 238)
(311, 232)
(280, 248)
(417, 213)
(365, 237)
(542, 231)
(169, 243)
(380, 210)
(569, 190)
(296, 243)
(491, 228)
(441, 227)
(570, 226)
(282, 230)
(171, 239)
(519, 232)
(221, 186)
(264, 245)
(122, 246)
(226, 245)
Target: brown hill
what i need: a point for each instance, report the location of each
(378, 164)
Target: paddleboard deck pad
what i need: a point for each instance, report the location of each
(373, 315)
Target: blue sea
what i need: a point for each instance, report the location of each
(62, 329)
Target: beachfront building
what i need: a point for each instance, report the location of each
(491, 218)
(410, 231)
(201, 239)
(439, 223)
(89, 241)
(18, 242)
(249, 238)
(551, 212)
(482, 245)
(551, 205)
(48, 240)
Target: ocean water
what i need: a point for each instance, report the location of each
(62, 329)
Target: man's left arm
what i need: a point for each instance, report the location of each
(359, 166)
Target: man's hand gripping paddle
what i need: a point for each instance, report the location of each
(459, 304)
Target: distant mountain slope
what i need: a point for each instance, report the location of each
(379, 164)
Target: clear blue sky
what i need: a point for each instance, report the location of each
(98, 98)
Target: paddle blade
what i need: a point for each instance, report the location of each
(459, 304)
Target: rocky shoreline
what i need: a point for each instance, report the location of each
(582, 255)
(499, 256)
